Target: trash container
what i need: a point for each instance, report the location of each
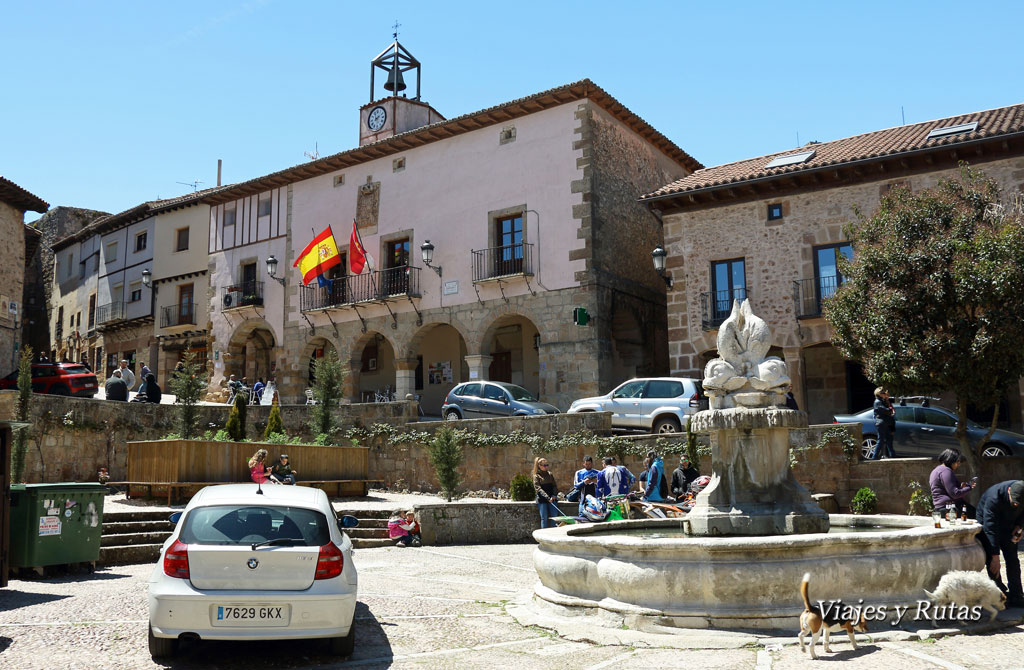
(55, 524)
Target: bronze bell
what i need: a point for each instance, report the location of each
(395, 83)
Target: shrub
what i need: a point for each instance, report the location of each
(278, 438)
(920, 500)
(865, 502)
(236, 420)
(274, 423)
(327, 377)
(691, 445)
(187, 385)
(24, 400)
(446, 457)
(521, 488)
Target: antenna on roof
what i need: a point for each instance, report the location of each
(903, 116)
(313, 155)
(194, 184)
(394, 29)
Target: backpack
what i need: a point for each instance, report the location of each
(663, 486)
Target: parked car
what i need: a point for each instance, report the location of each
(241, 565)
(478, 400)
(656, 404)
(57, 379)
(923, 430)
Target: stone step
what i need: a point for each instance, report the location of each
(120, 527)
(366, 543)
(135, 553)
(133, 539)
(366, 533)
(373, 523)
(369, 513)
(140, 515)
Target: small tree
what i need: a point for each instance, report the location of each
(446, 456)
(22, 414)
(932, 299)
(187, 384)
(521, 488)
(327, 378)
(864, 502)
(236, 420)
(275, 426)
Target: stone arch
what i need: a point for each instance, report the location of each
(251, 351)
(371, 366)
(435, 361)
(510, 350)
(501, 315)
(316, 347)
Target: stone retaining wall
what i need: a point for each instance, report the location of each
(499, 522)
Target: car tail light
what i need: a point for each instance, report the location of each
(835, 421)
(695, 399)
(330, 562)
(176, 560)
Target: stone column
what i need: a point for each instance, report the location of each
(405, 377)
(479, 366)
(794, 357)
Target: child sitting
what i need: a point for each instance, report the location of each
(399, 529)
(414, 528)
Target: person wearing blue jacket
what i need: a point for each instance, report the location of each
(614, 479)
(586, 481)
(652, 490)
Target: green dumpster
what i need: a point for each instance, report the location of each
(55, 524)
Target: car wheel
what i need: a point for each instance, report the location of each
(451, 415)
(161, 647)
(994, 450)
(60, 390)
(666, 424)
(344, 646)
(867, 445)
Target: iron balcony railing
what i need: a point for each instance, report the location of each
(507, 261)
(183, 314)
(243, 294)
(715, 306)
(374, 286)
(112, 311)
(808, 294)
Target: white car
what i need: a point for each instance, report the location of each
(245, 565)
(656, 404)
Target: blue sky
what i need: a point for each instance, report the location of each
(110, 104)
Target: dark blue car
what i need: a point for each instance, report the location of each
(923, 430)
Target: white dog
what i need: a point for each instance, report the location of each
(961, 587)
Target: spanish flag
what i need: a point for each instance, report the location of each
(319, 256)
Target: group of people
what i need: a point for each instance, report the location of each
(122, 380)
(236, 386)
(404, 530)
(999, 512)
(280, 472)
(612, 479)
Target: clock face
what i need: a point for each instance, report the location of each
(376, 119)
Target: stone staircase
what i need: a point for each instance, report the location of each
(136, 536)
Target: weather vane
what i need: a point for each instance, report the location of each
(395, 28)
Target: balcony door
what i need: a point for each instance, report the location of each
(728, 283)
(186, 295)
(395, 278)
(508, 257)
(826, 269)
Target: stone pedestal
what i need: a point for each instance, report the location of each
(752, 489)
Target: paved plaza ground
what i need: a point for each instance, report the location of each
(433, 607)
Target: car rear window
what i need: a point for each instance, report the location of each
(76, 370)
(658, 388)
(905, 414)
(245, 524)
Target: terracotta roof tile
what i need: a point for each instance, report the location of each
(888, 142)
(16, 196)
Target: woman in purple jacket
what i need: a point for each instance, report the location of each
(946, 488)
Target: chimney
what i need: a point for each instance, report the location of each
(219, 161)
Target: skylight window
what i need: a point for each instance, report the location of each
(953, 130)
(791, 159)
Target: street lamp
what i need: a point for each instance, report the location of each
(272, 269)
(147, 278)
(427, 252)
(658, 255)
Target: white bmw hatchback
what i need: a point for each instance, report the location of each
(244, 565)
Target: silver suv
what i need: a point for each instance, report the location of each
(657, 404)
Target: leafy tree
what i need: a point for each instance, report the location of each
(932, 299)
(22, 414)
(275, 426)
(187, 384)
(446, 456)
(236, 420)
(327, 378)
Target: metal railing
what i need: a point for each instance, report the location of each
(808, 294)
(715, 306)
(183, 314)
(243, 294)
(112, 311)
(367, 287)
(507, 261)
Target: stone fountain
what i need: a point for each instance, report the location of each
(737, 559)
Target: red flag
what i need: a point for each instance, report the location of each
(356, 252)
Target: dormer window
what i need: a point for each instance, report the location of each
(953, 130)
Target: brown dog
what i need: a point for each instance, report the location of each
(814, 622)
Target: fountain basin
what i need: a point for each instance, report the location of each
(744, 582)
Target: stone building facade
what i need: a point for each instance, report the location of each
(772, 232)
(531, 209)
(14, 202)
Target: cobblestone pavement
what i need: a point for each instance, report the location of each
(434, 607)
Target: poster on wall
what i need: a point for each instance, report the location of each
(434, 374)
(446, 372)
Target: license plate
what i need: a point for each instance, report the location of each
(256, 614)
(89, 386)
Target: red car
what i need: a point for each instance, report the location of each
(57, 379)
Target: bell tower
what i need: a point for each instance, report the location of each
(395, 112)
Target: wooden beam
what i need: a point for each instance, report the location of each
(904, 163)
(928, 159)
(955, 154)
